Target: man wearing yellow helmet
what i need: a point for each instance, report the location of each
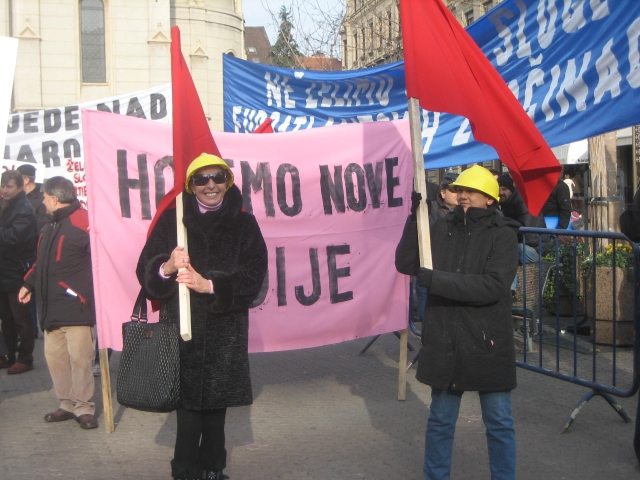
(467, 334)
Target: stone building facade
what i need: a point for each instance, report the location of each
(372, 35)
(73, 51)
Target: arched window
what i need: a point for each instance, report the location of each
(94, 65)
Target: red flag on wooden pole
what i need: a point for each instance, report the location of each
(447, 72)
(191, 132)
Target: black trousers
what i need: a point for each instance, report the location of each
(199, 443)
(17, 322)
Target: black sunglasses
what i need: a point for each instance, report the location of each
(201, 179)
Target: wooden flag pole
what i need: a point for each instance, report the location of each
(105, 377)
(183, 292)
(424, 238)
(420, 184)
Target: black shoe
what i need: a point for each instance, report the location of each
(214, 475)
(87, 421)
(59, 415)
(6, 361)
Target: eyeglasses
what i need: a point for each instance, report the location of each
(202, 179)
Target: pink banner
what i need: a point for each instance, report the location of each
(331, 204)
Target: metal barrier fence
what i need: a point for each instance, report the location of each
(602, 290)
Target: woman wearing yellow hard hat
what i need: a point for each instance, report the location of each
(223, 267)
(467, 332)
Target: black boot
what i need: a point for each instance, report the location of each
(185, 471)
(214, 475)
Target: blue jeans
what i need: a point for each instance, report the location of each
(526, 254)
(441, 426)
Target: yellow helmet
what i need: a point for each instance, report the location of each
(478, 178)
(207, 160)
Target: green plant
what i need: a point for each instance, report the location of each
(623, 257)
(567, 275)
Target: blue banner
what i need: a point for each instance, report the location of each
(574, 65)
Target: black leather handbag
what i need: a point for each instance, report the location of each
(149, 371)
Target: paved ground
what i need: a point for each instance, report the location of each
(322, 413)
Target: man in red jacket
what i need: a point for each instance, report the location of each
(61, 278)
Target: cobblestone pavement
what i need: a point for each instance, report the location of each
(322, 413)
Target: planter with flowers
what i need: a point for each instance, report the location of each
(609, 294)
(570, 282)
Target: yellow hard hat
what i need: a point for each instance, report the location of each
(478, 178)
(207, 160)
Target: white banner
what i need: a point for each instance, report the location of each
(8, 55)
(51, 139)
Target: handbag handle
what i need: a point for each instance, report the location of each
(139, 313)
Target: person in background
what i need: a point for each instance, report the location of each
(570, 183)
(467, 336)
(35, 197)
(559, 205)
(447, 199)
(18, 233)
(223, 269)
(34, 194)
(63, 284)
(512, 206)
(578, 181)
(494, 172)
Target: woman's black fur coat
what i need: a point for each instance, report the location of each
(225, 246)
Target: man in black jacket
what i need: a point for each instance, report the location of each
(64, 292)
(34, 193)
(512, 206)
(17, 254)
(35, 197)
(559, 204)
(446, 201)
(467, 336)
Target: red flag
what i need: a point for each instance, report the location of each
(265, 127)
(191, 132)
(447, 72)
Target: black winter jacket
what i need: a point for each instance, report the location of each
(515, 209)
(559, 205)
(467, 337)
(225, 246)
(62, 276)
(437, 210)
(18, 234)
(36, 197)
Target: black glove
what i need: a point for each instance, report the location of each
(416, 198)
(425, 276)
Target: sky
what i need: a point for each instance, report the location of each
(256, 13)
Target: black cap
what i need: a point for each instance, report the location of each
(448, 179)
(506, 181)
(27, 170)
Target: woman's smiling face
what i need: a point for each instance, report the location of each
(212, 193)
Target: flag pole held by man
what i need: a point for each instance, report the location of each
(467, 338)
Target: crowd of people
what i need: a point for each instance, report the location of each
(464, 300)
